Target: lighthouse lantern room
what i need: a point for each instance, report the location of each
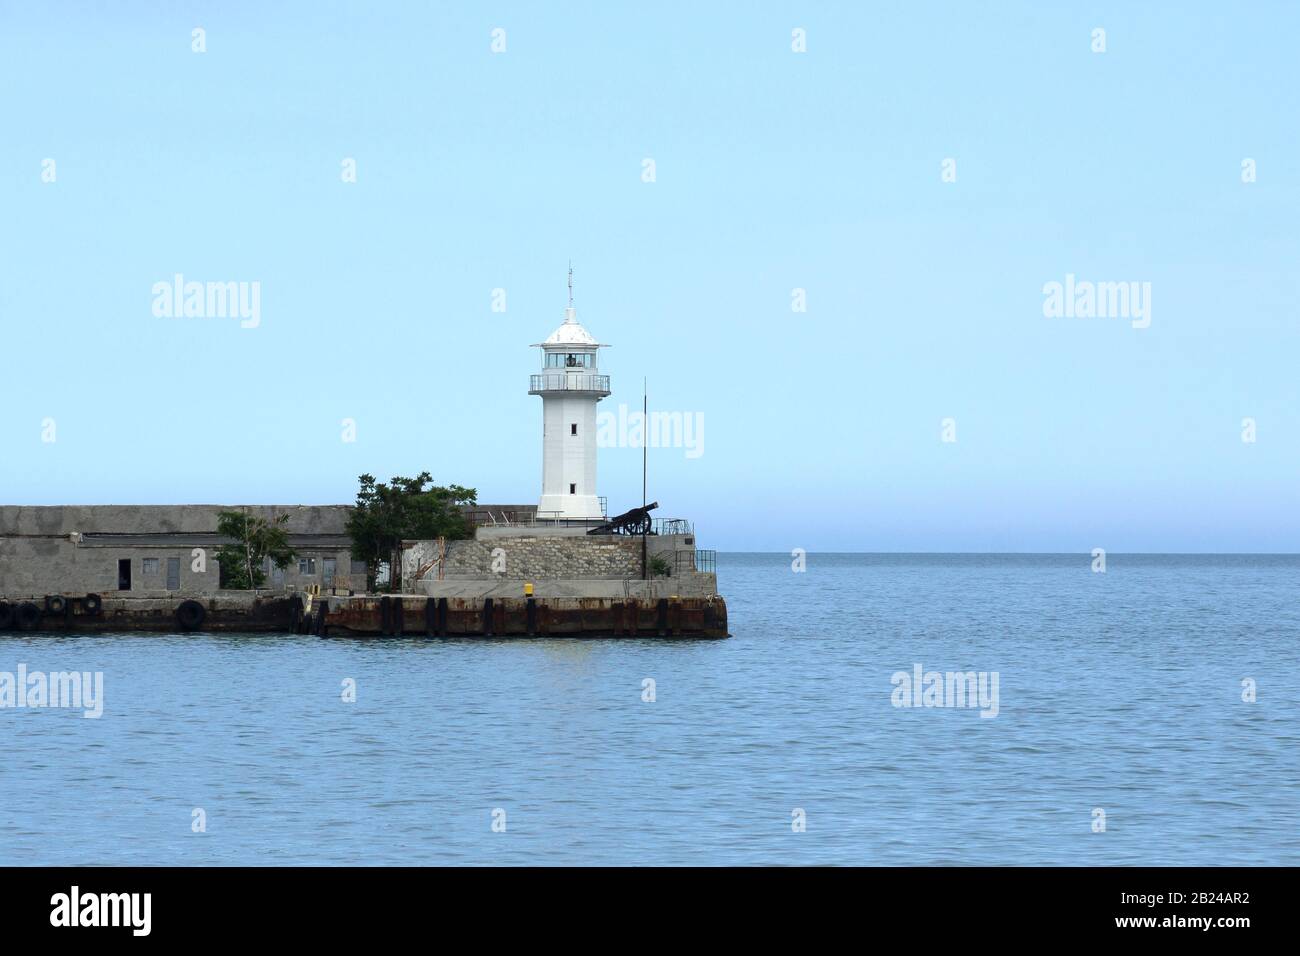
(570, 385)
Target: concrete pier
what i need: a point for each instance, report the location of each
(643, 614)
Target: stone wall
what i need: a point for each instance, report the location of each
(686, 585)
(559, 562)
(528, 557)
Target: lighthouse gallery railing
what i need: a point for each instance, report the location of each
(563, 382)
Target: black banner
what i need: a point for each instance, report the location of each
(945, 906)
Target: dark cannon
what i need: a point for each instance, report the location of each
(636, 521)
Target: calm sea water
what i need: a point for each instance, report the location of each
(1119, 691)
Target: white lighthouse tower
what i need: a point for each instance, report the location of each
(570, 385)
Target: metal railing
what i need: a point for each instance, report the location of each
(568, 382)
(670, 526)
(703, 561)
(478, 517)
(553, 519)
(532, 518)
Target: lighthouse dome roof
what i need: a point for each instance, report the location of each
(570, 333)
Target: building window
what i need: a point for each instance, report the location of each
(150, 566)
(307, 566)
(573, 489)
(573, 428)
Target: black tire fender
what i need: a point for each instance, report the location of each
(190, 615)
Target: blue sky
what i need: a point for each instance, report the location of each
(775, 170)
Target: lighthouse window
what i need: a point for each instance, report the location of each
(569, 360)
(573, 489)
(573, 429)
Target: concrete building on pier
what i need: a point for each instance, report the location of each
(159, 549)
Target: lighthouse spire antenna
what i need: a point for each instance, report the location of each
(571, 283)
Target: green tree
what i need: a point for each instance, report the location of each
(404, 509)
(253, 540)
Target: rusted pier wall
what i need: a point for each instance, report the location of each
(454, 616)
(375, 615)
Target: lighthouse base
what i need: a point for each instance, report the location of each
(569, 508)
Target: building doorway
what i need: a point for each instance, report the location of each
(124, 574)
(173, 574)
